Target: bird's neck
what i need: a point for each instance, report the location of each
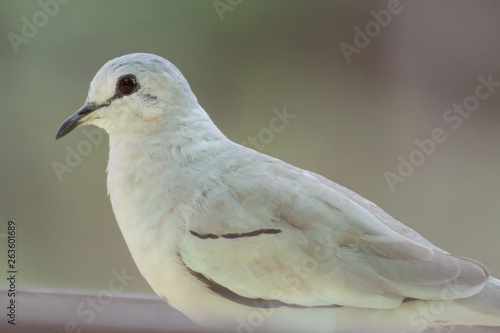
(165, 143)
(143, 168)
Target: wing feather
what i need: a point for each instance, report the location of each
(333, 246)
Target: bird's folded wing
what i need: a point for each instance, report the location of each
(300, 241)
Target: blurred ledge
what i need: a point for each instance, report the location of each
(68, 311)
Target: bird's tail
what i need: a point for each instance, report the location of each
(484, 306)
(482, 309)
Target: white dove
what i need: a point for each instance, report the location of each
(240, 241)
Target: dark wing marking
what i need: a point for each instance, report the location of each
(252, 302)
(236, 235)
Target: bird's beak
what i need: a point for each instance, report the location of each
(76, 119)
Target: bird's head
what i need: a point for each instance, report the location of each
(132, 92)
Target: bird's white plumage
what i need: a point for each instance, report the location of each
(217, 229)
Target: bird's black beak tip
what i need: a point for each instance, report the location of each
(67, 126)
(75, 120)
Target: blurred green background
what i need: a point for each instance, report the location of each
(352, 121)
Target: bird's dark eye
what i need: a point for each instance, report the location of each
(127, 84)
